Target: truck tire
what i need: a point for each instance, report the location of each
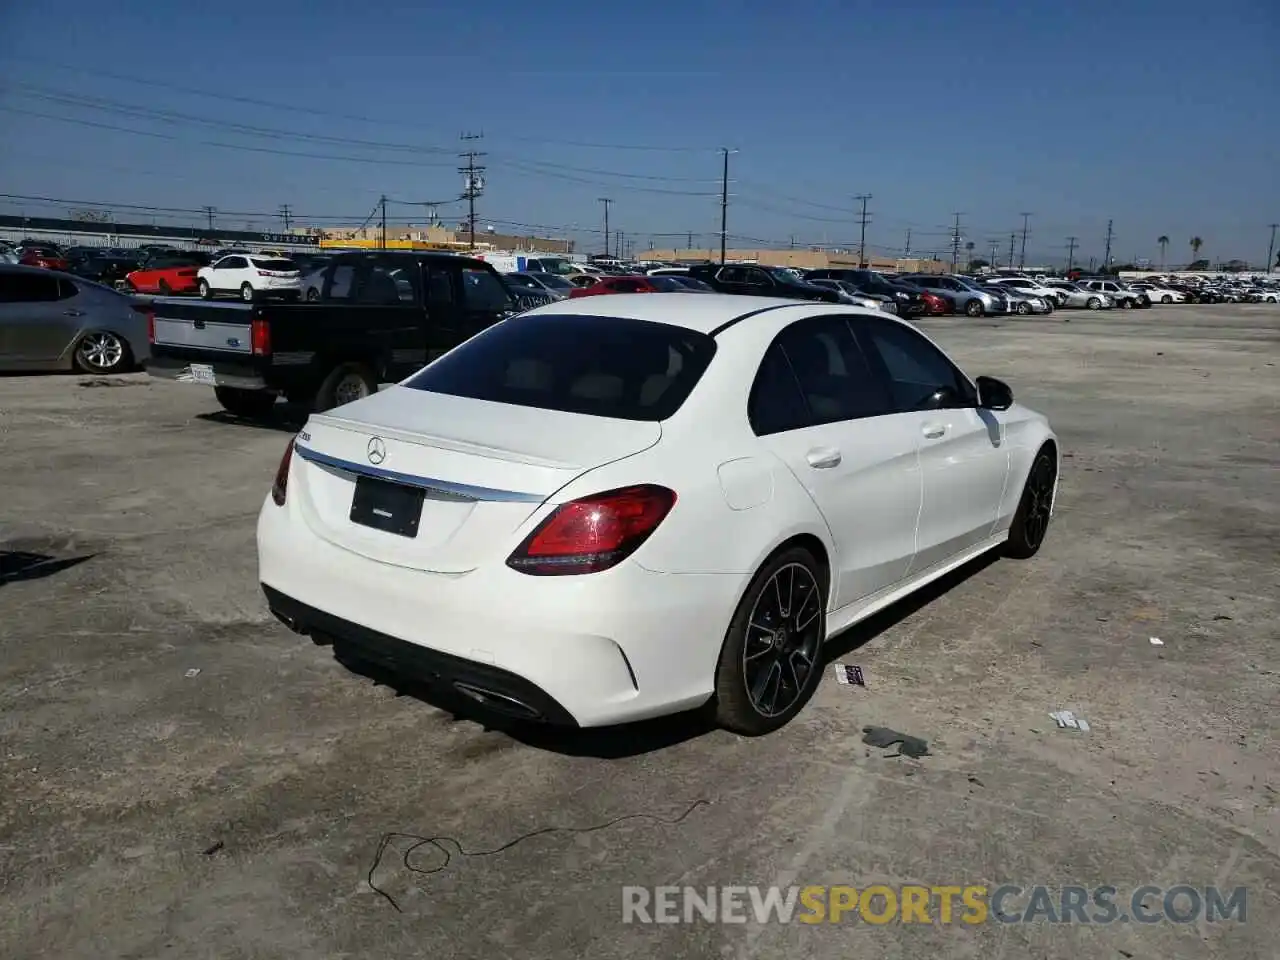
(345, 383)
(251, 404)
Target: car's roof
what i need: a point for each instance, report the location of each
(704, 314)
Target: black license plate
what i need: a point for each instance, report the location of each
(387, 506)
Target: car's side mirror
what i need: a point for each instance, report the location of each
(994, 394)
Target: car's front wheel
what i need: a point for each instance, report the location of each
(1166, 299)
(973, 308)
(1031, 520)
(771, 661)
(246, 293)
(1095, 303)
(205, 290)
(1024, 308)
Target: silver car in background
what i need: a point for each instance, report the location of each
(969, 297)
(1023, 303)
(54, 321)
(851, 295)
(1071, 294)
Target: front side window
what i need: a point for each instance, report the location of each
(600, 366)
(916, 370)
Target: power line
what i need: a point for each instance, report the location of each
(863, 220)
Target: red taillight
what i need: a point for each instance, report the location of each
(260, 337)
(593, 533)
(281, 486)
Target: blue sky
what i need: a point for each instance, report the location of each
(1159, 115)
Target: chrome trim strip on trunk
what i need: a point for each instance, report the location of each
(427, 483)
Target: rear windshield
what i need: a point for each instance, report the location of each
(274, 264)
(602, 366)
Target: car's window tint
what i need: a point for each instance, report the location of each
(834, 376)
(915, 369)
(340, 283)
(281, 266)
(776, 404)
(603, 366)
(23, 287)
(484, 291)
(439, 286)
(388, 284)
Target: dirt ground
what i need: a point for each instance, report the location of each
(148, 811)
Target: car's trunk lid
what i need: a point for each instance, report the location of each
(483, 468)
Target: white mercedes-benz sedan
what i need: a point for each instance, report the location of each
(618, 507)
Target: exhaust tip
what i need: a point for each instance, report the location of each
(500, 702)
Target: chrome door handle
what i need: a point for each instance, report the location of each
(822, 457)
(932, 431)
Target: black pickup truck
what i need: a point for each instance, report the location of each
(756, 281)
(380, 317)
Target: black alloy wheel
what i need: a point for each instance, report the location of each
(1031, 521)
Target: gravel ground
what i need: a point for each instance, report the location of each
(147, 810)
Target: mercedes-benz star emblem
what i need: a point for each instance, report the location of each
(377, 450)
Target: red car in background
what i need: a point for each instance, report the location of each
(167, 275)
(47, 257)
(628, 285)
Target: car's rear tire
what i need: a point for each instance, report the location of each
(973, 308)
(205, 290)
(1126, 304)
(346, 383)
(771, 661)
(313, 295)
(1095, 303)
(1024, 309)
(251, 404)
(247, 293)
(1031, 519)
(101, 351)
(1166, 299)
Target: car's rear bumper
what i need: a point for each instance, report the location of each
(611, 647)
(238, 375)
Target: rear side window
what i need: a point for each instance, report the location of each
(601, 366)
(776, 404)
(389, 283)
(484, 291)
(21, 287)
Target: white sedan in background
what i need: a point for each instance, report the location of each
(250, 277)
(1159, 294)
(618, 507)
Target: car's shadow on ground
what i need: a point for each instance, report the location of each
(646, 736)
(17, 565)
(284, 417)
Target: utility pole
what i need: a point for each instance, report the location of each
(382, 244)
(995, 246)
(1106, 256)
(473, 183)
(620, 244)
(286, 215)
(1012, 238)
(1071, 253)
(209, 212)
(1271, 247)
(793, 242)
(1022, 258)
(689, 243)
(955, 243)
(906, 250)
(863, 220)
(724, 203)
(606, 201)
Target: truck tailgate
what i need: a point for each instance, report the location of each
(194, 325)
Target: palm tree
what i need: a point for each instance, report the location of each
(1164, 242)
(1196, 244)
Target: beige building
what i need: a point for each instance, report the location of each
(417, 237)
(807, 259)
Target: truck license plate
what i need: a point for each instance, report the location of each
(203, 373)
